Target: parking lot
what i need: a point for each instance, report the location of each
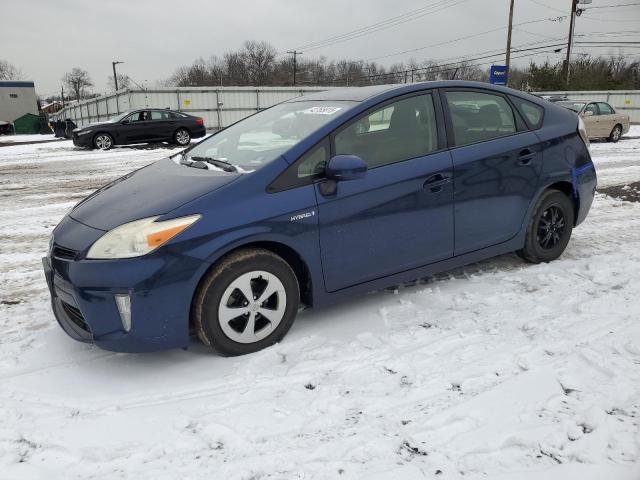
(542, 362)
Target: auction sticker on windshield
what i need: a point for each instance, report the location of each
(321, 110)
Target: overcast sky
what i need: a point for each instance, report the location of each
(46, 38)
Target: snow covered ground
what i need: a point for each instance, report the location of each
(501, 370)
(26, 138)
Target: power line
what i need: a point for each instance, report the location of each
(482, 57)
(612, 6)
(466, 37)
(547, 6)
(382, 25)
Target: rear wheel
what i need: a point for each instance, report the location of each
(103, 141)
(182, 137)
(549, 229)
(615, 134)
(246, 303)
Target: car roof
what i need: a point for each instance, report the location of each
(361, 94)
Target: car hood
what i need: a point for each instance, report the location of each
(92, 126)
(150, 191)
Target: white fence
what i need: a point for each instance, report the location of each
(624, 101)
(222, 106)
(218, 106)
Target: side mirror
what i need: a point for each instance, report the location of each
(125, 122)
(346, 167)
(587, 113)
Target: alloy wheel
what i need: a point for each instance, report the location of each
(252, 307)
(182, 137)
(551, 227)
(103, 142)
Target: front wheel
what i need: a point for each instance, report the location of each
(615, 134)
(549, 229)
(246, 303)
(182, 137)
(103, 141)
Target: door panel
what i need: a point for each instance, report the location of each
(162, 125)
(494, 184)
(388, 222)
(592, 122)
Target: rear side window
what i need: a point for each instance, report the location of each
(605, 109)
(157, 115)
(532, 112)
(478, 117)
(398, 131)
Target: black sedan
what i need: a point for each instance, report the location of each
(140, 126)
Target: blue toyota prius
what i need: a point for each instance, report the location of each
(312, 200)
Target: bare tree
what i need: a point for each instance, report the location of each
(123, 81)
(77, 80)
(259, 60)
(9, 71)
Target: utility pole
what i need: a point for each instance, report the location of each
(508, 59)
(572, 26)
(62, 94)
(115, 76)
(295, 54)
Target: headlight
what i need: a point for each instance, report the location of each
(83, 132)
(138, 238)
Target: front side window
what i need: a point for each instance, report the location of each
(478, 117)
(139, 117)
(261, 138)
(593, 108)
(398, 131)
(605, 109)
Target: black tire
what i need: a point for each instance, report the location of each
(539, 246)
(217, 283)
(102, 141)
(182, 137)
(615, 134)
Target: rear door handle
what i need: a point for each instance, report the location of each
(525, 157)
(435, 182)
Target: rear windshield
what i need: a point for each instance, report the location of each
(575, 106)
(261, 138)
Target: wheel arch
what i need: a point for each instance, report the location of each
(568, 189)
(286, 252)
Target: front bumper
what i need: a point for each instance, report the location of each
(82, 140)
(160, 287)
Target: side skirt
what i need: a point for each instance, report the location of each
(512, 245)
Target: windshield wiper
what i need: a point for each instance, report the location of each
(223, 164)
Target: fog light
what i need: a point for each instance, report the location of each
(124, 308)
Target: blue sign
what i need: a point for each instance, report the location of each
(498, 75)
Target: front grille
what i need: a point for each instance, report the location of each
(63, 253)
(75, 316)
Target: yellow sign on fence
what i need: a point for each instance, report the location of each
(186, 103)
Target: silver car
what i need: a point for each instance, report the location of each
(600, 118)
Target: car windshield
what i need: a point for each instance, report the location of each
(261, 138)
(575, 106)
(118, 118)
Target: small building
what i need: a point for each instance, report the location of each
(17, 98)
(52, 107)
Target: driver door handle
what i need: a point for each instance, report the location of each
(525, 157)
(435, 182)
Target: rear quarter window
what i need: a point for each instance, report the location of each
(532, 112)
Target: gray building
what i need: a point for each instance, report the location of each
(17, 98)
